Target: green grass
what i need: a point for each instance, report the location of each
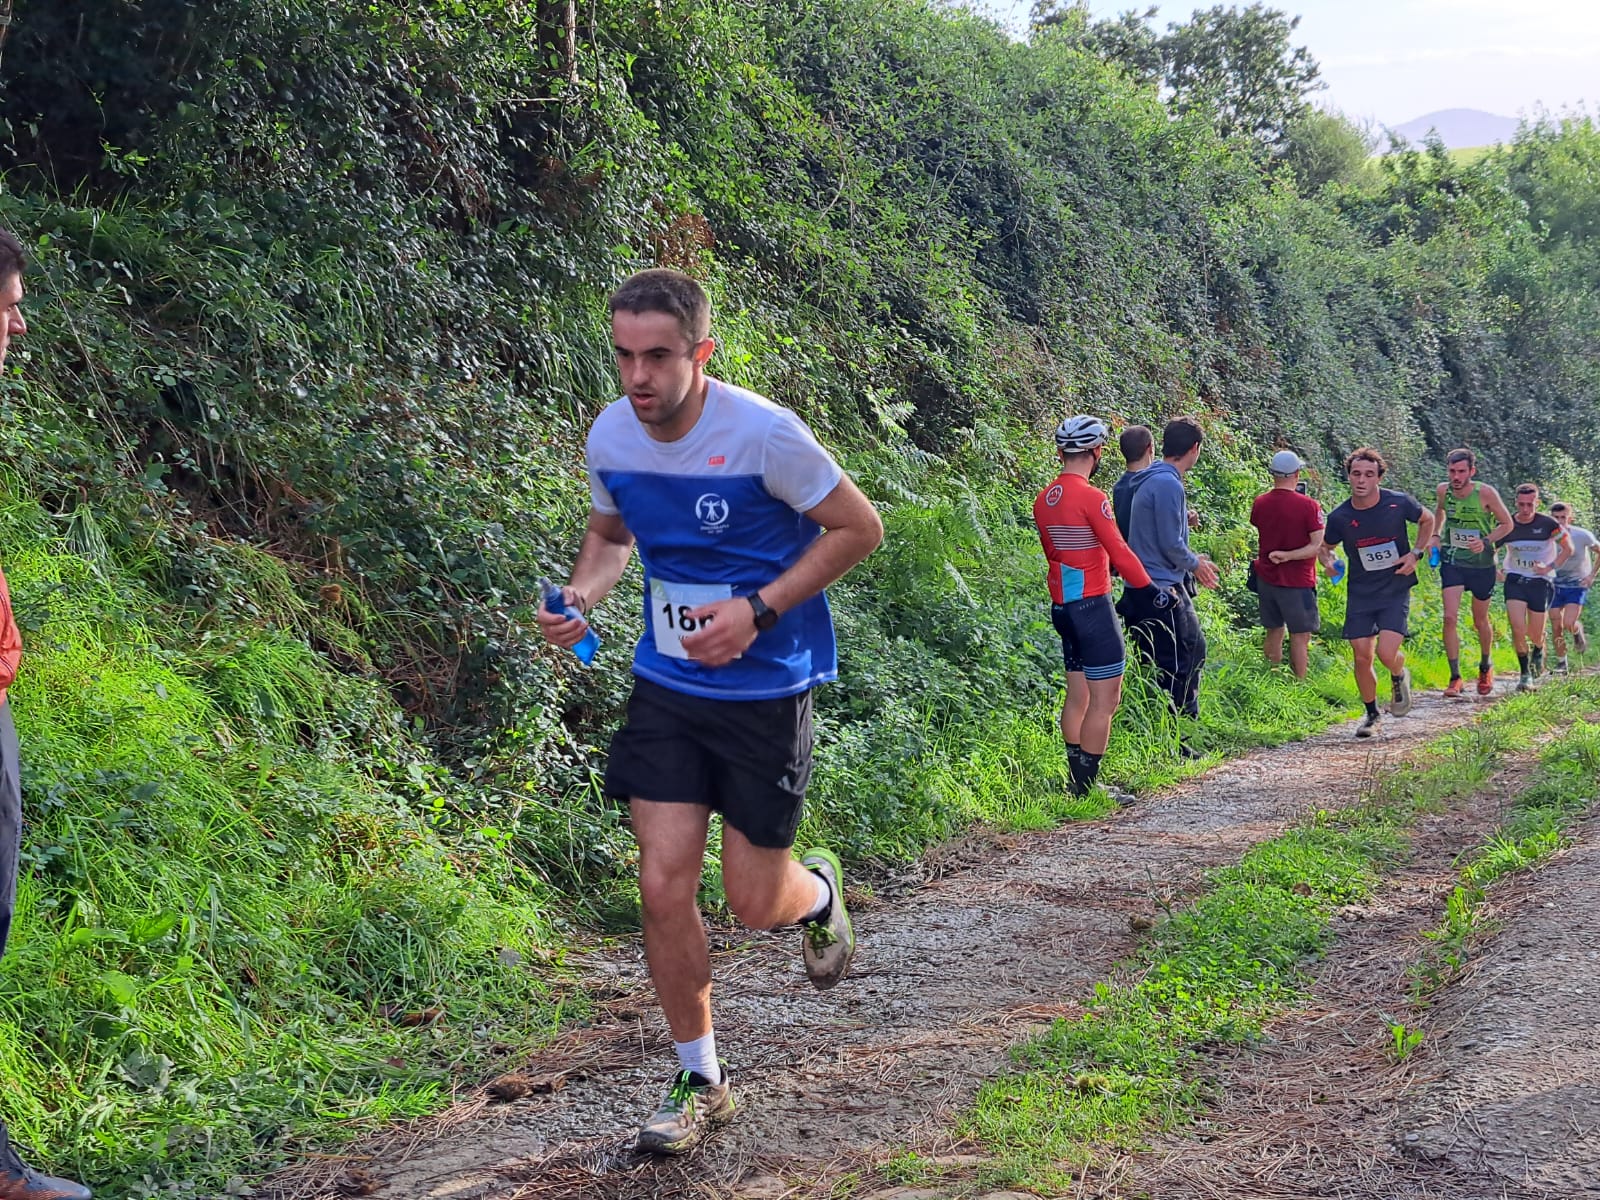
(1215, 971)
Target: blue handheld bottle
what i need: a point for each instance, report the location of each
(1336, 575)
(1433, 557)
(586, 646)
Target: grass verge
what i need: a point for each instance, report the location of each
(1214, 972)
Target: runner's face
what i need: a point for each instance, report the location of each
(1527, 505)
(1363, 479)
(1461, 474)
(1563, 515)
(11, 322)
(661, 369)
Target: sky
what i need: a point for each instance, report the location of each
(1395, 60)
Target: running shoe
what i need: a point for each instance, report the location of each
(1524, 682)
(1400, 705)
(1536, 662)
(1455, 689)
(1368, 726)
(1580, 639)
(21, 1181)
(829, 943)
(1486, 681)
(692, 1107)
(1561, 664)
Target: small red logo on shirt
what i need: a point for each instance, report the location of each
(716, 460)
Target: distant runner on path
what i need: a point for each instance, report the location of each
(1573, 580)
(1383, 570)
(741, 519)
(1468, 517)
(1078, 531)
(1529, 556)
(17, 1180)
(1289, 530)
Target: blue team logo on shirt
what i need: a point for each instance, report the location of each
(712, 510)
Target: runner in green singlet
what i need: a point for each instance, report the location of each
(1469, 517)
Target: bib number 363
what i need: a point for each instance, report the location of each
(670, 606)
(1385, 556)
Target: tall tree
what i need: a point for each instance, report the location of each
(1238, 64)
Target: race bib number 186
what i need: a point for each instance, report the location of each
(670, 606)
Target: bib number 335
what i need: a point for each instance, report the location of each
(670, 606)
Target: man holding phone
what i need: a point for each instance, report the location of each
(1289, 527)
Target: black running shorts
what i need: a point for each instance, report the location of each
(1369, 619)
(1535, 593)
(750, 760)
(1294, 608)
(1477, 580)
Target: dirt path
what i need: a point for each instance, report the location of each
(946, 979)
(1501, 1101)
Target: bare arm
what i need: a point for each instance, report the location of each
(1312, 549)
(1498, 510)
(852, 530)
(1438, 511)
(604, 554)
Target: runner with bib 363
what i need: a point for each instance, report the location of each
(1372, 525)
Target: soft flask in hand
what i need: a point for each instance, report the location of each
(554, 602)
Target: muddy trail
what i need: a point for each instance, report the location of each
(1001, 938)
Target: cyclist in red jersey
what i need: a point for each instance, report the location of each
(1081, 541)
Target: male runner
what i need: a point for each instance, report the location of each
(741, 519)
(1572, 581)
(1162, 621)
(1468, 516)
(1289, 531)
(17, 1180)
(1138, 448)
(1079, 533)
(1383, 570)
(1529, 557)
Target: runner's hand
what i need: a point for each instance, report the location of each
(726, 630)
(1278, 556)
(1194, 519)
(558, 628)
(1206, 573)
(1476, 545)
(1408, 563)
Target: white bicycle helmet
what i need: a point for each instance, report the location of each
(1080, 434)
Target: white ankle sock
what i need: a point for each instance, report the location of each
(824, 898)
(700, 1056)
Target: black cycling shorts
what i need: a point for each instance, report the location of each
(1477, 580)
(1091, 637)
(750, 760)
(1535, 593)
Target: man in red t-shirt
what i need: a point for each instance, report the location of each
(1290, 528)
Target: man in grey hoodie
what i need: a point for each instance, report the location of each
(1162, 621)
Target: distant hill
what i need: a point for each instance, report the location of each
(1460, 128)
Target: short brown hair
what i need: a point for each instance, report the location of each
(1181, 435)
(1527, 489)
(1366, 454)
(1135, 442)
(12, 260)
(666, 291)
(1461, 454)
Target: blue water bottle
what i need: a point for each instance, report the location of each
(1336, 575)
(1433, 557)
(554, 602)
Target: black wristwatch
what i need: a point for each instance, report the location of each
(766, 617)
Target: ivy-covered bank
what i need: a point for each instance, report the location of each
(316, 330)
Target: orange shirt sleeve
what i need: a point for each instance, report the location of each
(1104, 523)
(10, 640)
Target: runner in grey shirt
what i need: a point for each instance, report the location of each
(1572, 581)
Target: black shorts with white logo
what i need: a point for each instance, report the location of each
(1477, 580)
(1369, 616)
(1535, 593)
(750, 760)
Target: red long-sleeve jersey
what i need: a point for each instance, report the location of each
(1080, 540)
(10, 641)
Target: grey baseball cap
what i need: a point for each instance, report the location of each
(1286, 462)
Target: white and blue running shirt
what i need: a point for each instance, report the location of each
(719, 513)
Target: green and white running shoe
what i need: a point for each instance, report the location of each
(691, 1108)
(828, 944)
